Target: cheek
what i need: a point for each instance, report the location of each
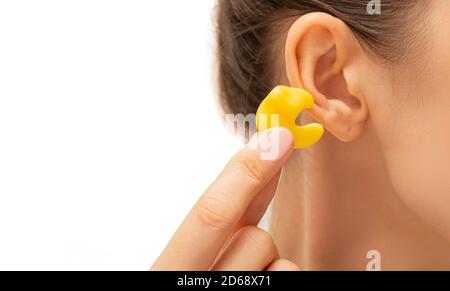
(418, 149)
(419, 167)
(411, 116)
(417, 140)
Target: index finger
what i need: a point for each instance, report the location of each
(200, 237)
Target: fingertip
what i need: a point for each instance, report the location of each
(273, 144)
(283, 265)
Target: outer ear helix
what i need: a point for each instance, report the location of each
(282, 107)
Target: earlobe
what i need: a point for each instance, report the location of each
(322, 57)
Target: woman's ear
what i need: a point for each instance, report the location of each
(323, 57)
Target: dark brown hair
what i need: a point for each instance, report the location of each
(246, 30)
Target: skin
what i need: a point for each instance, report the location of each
(378, 180)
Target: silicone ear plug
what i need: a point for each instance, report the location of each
(282, 107)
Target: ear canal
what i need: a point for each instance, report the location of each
(282, 107)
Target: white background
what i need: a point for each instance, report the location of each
(109, 129)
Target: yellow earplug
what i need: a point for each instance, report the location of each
(282, 107)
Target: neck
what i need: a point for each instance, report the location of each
(334, 206)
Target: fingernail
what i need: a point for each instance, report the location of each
(274, 143)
